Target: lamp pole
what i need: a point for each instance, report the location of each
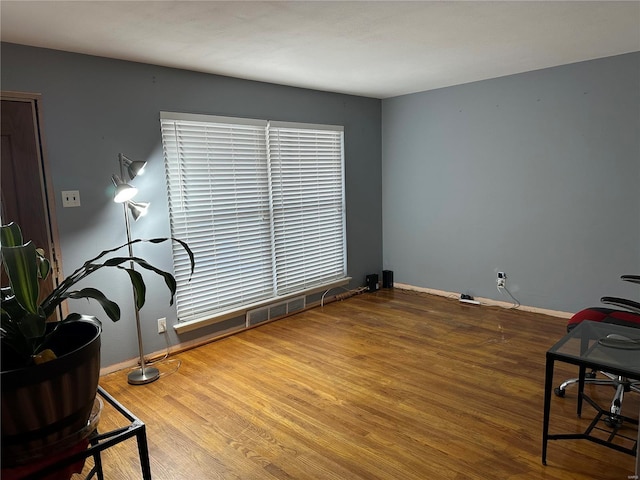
(144, 374)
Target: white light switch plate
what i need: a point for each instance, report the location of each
(71, 198)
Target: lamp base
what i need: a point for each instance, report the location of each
(138, 377)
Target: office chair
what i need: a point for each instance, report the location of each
(630, 316)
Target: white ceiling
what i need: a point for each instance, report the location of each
(372, 48)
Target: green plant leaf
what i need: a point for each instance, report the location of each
(139, 287)
(110, 308)
(13, 338)
(184, 245)
(72, 317)
(44, 267)
(32, 325)
(10, 305)
(169, 279)
(10, 235)
(24, 328)
(152, 240)
(21, 268)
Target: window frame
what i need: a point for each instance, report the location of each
(338, 278)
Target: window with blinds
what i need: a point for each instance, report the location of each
(261, 205)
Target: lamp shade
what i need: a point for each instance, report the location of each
(138, 209)
(134, 167)
(124, 191)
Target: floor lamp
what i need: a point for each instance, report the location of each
(124, 194)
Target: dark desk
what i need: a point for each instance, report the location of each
(587, 346)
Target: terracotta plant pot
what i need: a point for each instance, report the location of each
(47, 406)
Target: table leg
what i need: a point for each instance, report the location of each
(143, 452)
(548, 387)
(637, 471)
(581, 376)
(97, 460)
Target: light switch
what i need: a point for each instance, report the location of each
(71, 198)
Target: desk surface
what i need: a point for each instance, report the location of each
(601, 346)
(606, 345)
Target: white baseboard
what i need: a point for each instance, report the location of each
(173, 349)
(485, 301)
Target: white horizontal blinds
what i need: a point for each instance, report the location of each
(261, 206)
(219, 204)
(306, 167)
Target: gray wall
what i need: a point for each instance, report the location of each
(95, 108)
(536, 174)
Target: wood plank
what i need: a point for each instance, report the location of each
(386, 385)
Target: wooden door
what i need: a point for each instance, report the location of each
(26, 193)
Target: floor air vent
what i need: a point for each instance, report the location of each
(275, 310)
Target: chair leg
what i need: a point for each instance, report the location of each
(621, 384)
(615, 420)
(590, 379)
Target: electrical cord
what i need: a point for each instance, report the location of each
(323, 295)
(516, 302)
(162, 359)
(174, 360)
(166, 354)
(348, 293)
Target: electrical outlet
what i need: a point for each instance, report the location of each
(71, 198)
(501, 280)
(162, 325)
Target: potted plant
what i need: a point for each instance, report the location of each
(50, 366)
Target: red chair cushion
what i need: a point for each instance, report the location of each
(607, 315)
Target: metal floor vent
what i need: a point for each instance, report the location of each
(274, 310)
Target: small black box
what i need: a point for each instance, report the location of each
(372, 282)
(387, 279)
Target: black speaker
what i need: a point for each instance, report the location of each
(387, 279)
(372, 282)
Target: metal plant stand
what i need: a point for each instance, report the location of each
(101, 441)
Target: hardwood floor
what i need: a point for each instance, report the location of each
(386, 385)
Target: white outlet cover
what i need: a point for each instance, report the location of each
(71, 198)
